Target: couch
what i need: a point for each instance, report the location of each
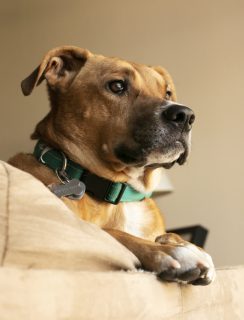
(56, 266)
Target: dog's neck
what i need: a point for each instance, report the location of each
(142, 179)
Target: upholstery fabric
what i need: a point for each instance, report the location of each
(37, 230)
(55, 266)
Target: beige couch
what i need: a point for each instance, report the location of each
(54, 266)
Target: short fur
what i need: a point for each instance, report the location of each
(122, 137)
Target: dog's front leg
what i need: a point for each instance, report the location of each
(170, 257)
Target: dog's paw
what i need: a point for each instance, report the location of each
(180, 261)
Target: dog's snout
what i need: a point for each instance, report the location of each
(180, 115)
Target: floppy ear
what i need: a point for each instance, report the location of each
(170, 87)
(58, 67)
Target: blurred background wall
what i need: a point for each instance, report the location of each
(199, 42)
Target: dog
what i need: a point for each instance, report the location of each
(112, 126)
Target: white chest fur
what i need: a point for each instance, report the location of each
(136, 218)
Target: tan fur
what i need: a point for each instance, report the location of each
(101, 213)
(86, 122)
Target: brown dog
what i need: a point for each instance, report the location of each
(115, 123)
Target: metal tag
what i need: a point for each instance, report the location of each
(73, 189)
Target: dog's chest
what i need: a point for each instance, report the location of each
(141, 218)
(137, 218)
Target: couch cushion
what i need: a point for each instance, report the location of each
(37, 230)
(82, 295)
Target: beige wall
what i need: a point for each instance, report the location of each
(200, 42)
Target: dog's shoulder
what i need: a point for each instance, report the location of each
(28, 163)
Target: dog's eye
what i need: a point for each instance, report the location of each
(168, 93)
(117, 86)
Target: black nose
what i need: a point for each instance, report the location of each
(179, 114)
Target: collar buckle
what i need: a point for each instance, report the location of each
(103, 188)
(120, 195)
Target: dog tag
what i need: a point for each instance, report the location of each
(73, 189)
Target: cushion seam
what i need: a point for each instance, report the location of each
(5, 247)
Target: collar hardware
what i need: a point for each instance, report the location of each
(104, 188)
(45, 150)
(120, 195)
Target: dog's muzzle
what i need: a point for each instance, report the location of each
(160, 135)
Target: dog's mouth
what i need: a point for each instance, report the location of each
(177, 154)
(168, 165)
(165, 157)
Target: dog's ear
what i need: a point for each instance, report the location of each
(170, 87)
(58, 67)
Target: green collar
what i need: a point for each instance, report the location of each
(97, 187)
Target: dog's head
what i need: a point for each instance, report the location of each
(110, 113)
